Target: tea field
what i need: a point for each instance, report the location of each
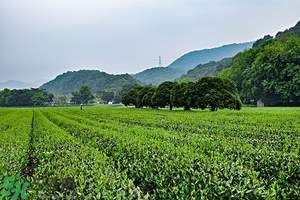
(103, 152)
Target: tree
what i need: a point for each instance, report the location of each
(179, 95)
(130, 97)
(106, 96)
(144, 95)
(83, 96)
(4, 94)
(41, 97)
(162, 95)
(25, 97)
(61, 99)
(146, 100)
(215, 93)
(262, 41)
(269, 72)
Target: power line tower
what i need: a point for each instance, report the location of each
(159, 61)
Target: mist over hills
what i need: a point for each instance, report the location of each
(193, 65)
(14, 84)
(189, 61)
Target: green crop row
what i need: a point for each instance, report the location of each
(14, 142)
(181, 165)
(274, 129)
(65, 168)
(124, 153)
(15, 129)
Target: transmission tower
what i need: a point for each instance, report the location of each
(159, 61)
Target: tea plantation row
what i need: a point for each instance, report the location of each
(127, 153)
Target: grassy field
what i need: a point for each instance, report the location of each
(104, 152)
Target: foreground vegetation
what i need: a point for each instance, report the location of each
(126, 153)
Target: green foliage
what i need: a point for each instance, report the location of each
(129, 153)
(269, 72)
(72, 81)
(215, 93)
(162, 95)
(180, 66)
(179, 95)
(25, 97)
(158, 75)
(208, 69)
(84, 95)
(262, 41)
(139, 96)
(126, 88)
(212, 92)
(294, 30)
(105, 96)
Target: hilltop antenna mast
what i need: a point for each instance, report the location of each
(159, 61)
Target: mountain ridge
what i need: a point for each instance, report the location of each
(189, 61)
(71, 81)
(15, 84)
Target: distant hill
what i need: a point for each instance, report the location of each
(207, 69)
(188, 61)
(13, 84)
(158, 75)
(68, 82)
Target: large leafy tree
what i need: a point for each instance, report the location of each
(147, 97)
(162, 95)
(179, 95)
(126, 88)
(214, 93)
(84, 95)
(131, 97)
(106, 96)
(140, 95)
(41, 96)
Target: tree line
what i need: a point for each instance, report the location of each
(25, 97)
(208, 92)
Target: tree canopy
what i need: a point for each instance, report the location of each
(25, 97)
(208, 92)
(214, 93)
(84, 95)
(162, 95)
(269, 72)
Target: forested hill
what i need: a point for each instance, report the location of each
(188, 61)
(269, 72)
(207, 69)
(194, 58)
(295, 30)
(72, 81)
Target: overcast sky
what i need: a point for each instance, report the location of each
(40, 39)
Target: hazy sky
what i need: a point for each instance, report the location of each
(40, 39)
